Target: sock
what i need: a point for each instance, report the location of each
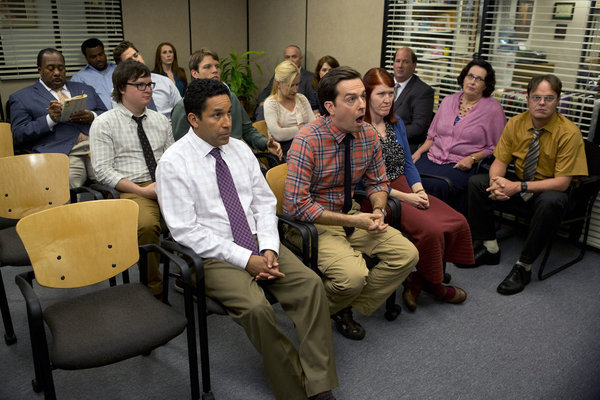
(442, 292)
(491, 246)
(526, 266)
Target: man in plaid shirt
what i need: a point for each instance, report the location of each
(314, 193)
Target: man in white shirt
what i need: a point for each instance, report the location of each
(126, 144)
(215, 201)
(165, 93)
(413, 98)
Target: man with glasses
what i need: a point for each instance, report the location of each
(126, 144)
(325, 162)
(548, 152)
(413, 98)
(165, 95)
(36, 121)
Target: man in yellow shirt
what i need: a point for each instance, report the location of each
(548, 152)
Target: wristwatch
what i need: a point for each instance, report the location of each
(382, 211)
(523, 187)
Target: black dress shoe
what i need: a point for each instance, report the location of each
(515, 281)
(482, 257)
(347, 326)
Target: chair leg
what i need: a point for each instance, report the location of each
(9, 335)
(392, 310)
(447, 276)
(583, 248)
(203, 337)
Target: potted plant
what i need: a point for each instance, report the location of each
(236, 72)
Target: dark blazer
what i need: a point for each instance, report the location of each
(305, 87)
(415, 107)
(28, 110)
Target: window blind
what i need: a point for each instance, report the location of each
(27, 26)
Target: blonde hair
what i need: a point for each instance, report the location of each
(285, 73)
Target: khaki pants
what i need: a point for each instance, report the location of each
(149, 232)
(80, 166)
(293, 374)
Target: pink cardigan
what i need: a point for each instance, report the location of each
(479, 130)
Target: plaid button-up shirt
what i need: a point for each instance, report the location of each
(315, 178)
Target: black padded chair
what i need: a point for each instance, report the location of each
(79, 245)
(576, 220)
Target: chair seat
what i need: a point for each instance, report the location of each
(12, 251)
(109, 325)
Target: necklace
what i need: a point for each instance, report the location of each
(463, 108)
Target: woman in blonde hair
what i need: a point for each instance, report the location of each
(286, 110)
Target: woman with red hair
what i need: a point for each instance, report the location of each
(439, 232)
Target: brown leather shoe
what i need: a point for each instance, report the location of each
(459, 295)
(409, 301)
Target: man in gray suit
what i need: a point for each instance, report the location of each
(294, 54)
(413, 98)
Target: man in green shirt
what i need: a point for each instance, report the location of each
(204, 64)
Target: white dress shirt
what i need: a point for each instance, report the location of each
(189, 198)
(164, 94)
(115, 145)
(399, 89)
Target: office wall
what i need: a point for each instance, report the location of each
(350, 31)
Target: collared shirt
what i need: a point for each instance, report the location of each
(66, 93)
(477, 131)
(401, 87)
(189, 198)
(164, 94)
(101, 81)
(115, 145)
(562, 151)
(315, 179)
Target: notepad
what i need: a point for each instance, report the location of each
(72, 106)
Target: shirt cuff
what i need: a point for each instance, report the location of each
(50, 122)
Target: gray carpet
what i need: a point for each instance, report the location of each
(543, 343)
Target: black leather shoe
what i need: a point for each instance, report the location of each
(482, 257)
(347, 326)
(515, 281)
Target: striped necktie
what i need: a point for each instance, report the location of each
(531, 160)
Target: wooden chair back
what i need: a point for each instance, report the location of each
(261, 126)
(81, 244)
(6, 140)
(33, 182)
(276, 180)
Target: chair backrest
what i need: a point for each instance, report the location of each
(81, 244)
(261, 126)
(33, 182)
(592, 155)
(6, 140)
(276, 180)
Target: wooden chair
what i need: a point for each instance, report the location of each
(79, 245)
(261, 126)
(309, 243)
(28, 183)
(6, 140)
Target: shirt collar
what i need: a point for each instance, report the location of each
(52, 90)
(125, 111)
(202, 147)
(405, 82)
(336, 132)
(551, 126)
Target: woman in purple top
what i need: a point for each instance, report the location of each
(465, 130)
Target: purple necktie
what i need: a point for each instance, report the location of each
(242, 235)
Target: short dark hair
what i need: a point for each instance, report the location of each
(490, 77)
(90, 44)
(553, 80)
(197, 57)
(47, 50)
(327, 89)
(198, 91)
(124, 72)
(121, 48)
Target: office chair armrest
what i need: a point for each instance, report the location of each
(96, 195)
(309, 236)
(34, 307)
(145, 249)
(393, 208)
(107, 191)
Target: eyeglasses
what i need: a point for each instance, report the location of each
(142, 85)
(547, 99)
(477, 79)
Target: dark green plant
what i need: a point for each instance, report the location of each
(236, 72)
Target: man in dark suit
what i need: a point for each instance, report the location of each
(36, 112)
(294, 54)
(413, 98)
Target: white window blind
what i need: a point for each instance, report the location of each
(27, 26)
(443, 34)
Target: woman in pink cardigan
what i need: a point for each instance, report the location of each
(465, 130)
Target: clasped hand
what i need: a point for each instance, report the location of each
(371, 222)
(502, 189)
(265, 267)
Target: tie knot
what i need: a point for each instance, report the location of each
(216, 153)
(348, 138)
(138, 119)
(538, 132)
